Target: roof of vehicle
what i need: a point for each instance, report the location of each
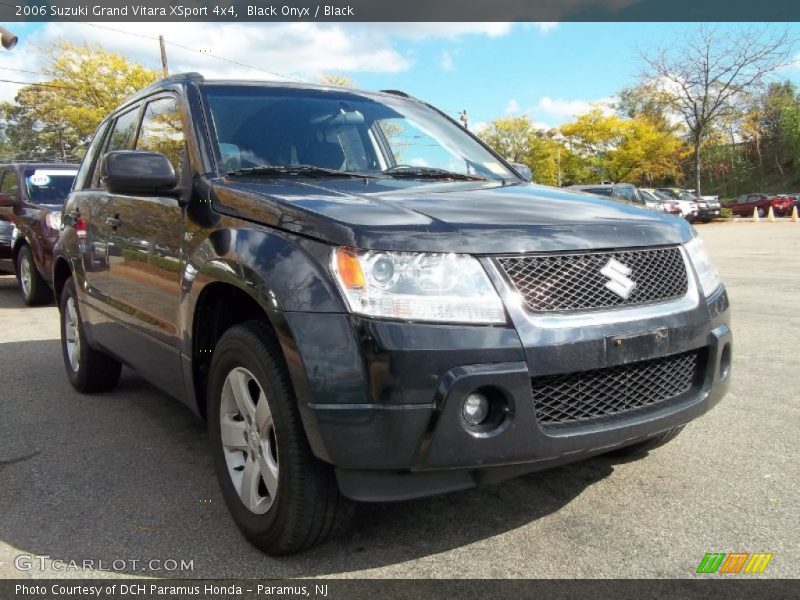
(598, 185)
(39, 165)
(197, 78)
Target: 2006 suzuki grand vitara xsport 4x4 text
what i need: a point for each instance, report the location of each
(366, 303)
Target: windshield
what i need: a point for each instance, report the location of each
(49, 186)
(603, 191)
(261, 126)
(649, 197)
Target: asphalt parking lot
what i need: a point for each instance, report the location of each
(127, 475)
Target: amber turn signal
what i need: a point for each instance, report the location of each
(349, 268)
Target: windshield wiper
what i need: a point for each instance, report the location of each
(296, 170)
(412, 172)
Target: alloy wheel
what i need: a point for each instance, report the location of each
(72, 335)
(249, 440)
(25, 275)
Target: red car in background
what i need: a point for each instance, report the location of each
(747, 203)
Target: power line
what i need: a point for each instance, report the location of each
(25, 71)
(190, 49)
(47, 85)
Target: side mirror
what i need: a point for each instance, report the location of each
(6, 200)
(523, 170)
(136, 172)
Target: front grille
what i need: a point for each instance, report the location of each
(586, 395)
(564, 282)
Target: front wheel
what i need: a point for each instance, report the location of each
(280, 495)
(32, 287)
(761, 212)
(88, 369)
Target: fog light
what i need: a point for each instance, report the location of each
(475, 409)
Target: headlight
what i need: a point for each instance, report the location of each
(451, 288)
(706, 271)
(53, 220)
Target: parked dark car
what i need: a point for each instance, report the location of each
(795, 198)
(6, 256)
(707, 209)
(367, 303)
(746, 204)
(623, 191)
(31, 198)
(654, 201)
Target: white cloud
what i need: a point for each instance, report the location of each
(546, 26)
(479, 127)
(276, 50)
(441, 30)
(446, 61)
(512, 107)
(561, 109)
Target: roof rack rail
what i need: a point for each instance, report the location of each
(397, 93)
(190, 76)
(39, 160)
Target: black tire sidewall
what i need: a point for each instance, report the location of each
(232, 352)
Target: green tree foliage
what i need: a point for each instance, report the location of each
(517, 140)
(337, 79)
(701, 78)
(57, 118)
(620, 149)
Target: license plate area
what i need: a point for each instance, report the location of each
(625, 348)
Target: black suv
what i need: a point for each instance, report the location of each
(31, 198)
(366, 303)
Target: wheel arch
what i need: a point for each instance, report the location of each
(224, 303)
(61, 272)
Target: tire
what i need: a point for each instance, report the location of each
(761, 212)
(32, 287)
(301, 505)
(650, 443)
(88, 369)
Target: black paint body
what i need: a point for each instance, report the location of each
(379, 399)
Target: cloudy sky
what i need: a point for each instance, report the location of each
(548, 71)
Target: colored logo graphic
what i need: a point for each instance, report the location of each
(734, 562)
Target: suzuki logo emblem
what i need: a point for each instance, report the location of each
(619, 282)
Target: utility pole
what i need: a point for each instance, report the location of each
(61, 147)
(464, 118)
(164, 66)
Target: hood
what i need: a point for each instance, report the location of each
(466, 217)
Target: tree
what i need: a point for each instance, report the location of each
(511, 137)
(702, 79)
(517, 140)
(780, 123)
(337, 79)
(57, 117)
(647, 101)
(623, 149)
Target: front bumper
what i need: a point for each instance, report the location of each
(708, 213)
(386, 397)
